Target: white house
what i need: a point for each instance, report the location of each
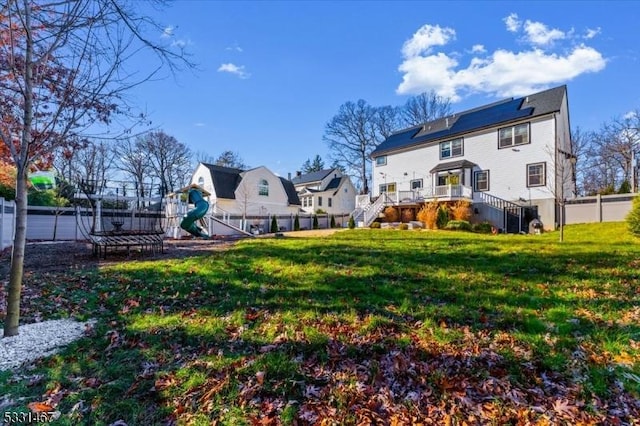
(327, 190)
(511, 158)
(246, 192)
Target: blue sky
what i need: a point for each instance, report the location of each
(272, 74)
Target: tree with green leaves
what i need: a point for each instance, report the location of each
(313, 166)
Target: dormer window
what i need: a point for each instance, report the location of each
(452, 148)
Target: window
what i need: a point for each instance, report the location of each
(319, 201)
(388, 187)
(381, 161)
(536, 174)
(416, 184)
(515, 135)
(201, 181)
(263, 187)
(481, 181)
(451, 148)
(329, 202)
(449, 179)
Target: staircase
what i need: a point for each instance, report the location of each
(366, 214)
(506, 215)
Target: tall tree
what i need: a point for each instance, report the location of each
(62, 72)
(134, 162)
(425, 107)
(353, 133)
(230, 159)
(169, 160)
(313, 166)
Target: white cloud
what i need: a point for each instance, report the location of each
(502, 72)
(234, 69)
(425, 38)
(512, 22)
(539, 34)
(199, 124)
(591, 33)
(181, 43)
(167, 32)
(235, 48)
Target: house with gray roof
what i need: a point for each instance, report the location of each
(327, 190)
(512, 159)
(254, 192)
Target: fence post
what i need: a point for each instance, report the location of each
(1, 223)
(598, 208)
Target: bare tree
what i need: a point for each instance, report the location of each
(134, 162)
(94, 163)
(62, 73)
(170, 160)
(425, 107)
(353, 133)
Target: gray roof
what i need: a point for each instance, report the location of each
(292, 195)
(311, 177)
(225, 180)
(456, 125)
(452, 165)
(333, 184)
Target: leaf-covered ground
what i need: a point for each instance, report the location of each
(363, 327)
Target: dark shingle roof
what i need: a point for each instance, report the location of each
(225, 180)
(292, 195)
(451, 165)
(486, 116)
(333, 184)
(311, 177)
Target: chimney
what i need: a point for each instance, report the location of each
(298, 173)
(289, 176)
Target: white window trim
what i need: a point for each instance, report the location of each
(263, 188)
(543, 175)
(513, 136)
(381, 161)
(475, 181)
(452, 154)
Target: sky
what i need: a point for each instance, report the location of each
(270, 75)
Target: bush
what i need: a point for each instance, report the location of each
(428, 214)
(375, 225)
(442, 217)
(461, 210)
(333, 222)
(625, 187)
(482, 228)
(391, 214)
(296, 223)
(352, 223)
(458, 225)
(404, 226)
(274, 224)
(315, 222)
(408, 215)
(633, 218)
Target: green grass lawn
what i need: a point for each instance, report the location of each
(364, 326)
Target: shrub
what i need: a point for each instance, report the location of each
(442, 217)
(296, 223)
(625, 187)
(333, 222)
(375, 225)
(428, 214)
(482, 228)
(274, 224)
(458, 225)
(408, 215)
(315, 222)
(352, 223)
(633, 218)
(404, 226)
(391, 214)
(461, 210)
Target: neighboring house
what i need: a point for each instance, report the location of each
(327, 190)
(511, 158)
(255, 192)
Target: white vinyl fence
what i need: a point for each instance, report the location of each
(7, 222)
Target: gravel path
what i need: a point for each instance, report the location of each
(38, 340)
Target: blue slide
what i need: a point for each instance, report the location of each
(201, 207)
